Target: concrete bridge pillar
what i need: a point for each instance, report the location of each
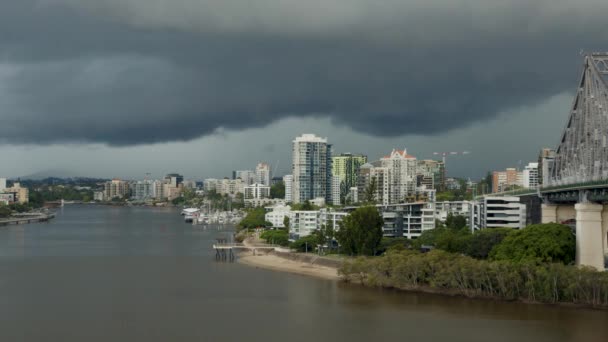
(548, 213)
(605, 228)
(589, 235)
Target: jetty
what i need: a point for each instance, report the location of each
(226, 251)
(25, 218)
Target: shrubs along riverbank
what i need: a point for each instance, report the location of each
(449, 273)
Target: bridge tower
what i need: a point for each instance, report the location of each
(578, 186)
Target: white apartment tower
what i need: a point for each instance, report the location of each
(262, 174)
(311, 168)
(2, 184)
(335, 190)
(288, 181)
(402, 175)
(530, 176)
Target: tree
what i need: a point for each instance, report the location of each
(549, 242)
(277, 190)
(277, 237)
(305, 244)
(370, 191)
(483, 241)
(455, 221)
(286, 222)
(361, 231)
(5, 211)
(255, 218)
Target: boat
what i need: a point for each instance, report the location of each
(187, 211)
(190, 214)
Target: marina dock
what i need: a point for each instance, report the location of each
(26, 218)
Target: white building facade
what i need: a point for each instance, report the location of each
(262, 173)
(256, 191)
(288, 181)
(311, 168)
(531, 176)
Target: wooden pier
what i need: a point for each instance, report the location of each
(226, 251)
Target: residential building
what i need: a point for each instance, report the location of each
(262, 174)
(189, 184)
(530, 176)
(407, 220)
(98, 196)
(346, 167)
(276, 215)
(376, 179)
(545, 163)
(506, 180)
(143, 190)
(336, 190)
(247, 176)
(401, 175)
(256, 191)
(2, 184)
(331, 218)
(115, 188)
(158, 191)
(433, 174)
(210, 184)
(288, 180)
(230, 186)
(311, 168)
(500, 212)
(21, 194)
(302, 223)
(453, 184)
(262, 202)
(174, 180)
(456, 208)
(7, 198)
(353, 195)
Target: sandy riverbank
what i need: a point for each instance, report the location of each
(277, 263)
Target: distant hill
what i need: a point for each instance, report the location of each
(61, 174)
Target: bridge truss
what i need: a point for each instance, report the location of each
(582, 155)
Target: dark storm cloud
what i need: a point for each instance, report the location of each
(140, 71)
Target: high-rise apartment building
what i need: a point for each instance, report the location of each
(174, 179)
(143, 190)
(2, 184)
(346, 167)
(115, 188)
(506, 180)
(311, 168)
(432, 171)
(402, 175)
(288, 181)
(262, 174)
(247, 176)
(335, 190)
(373, 184)
(530, 176)
(546, 159)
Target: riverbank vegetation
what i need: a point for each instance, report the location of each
(534, 264)
(444, 272)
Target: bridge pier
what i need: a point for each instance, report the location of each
(591, 229)
(589, 235)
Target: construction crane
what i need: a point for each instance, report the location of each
(446, 154)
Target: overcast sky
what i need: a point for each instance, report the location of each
(120, 88)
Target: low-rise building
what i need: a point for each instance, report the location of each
(98, 196)
(500, 212)
(456, 208)
(257, 191)
(21, 195)
(407, 220)
(276, 215)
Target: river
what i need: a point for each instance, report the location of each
(99, 273)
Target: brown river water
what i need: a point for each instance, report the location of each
(99, 273)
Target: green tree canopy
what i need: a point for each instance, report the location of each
(455, 221)
(277, 237)
(483, 241)
(255, 218)
(277, 190)
(305, 244)
(549, 242)
(361, 231)
(5, 211)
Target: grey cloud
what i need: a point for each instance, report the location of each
(142, 71)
